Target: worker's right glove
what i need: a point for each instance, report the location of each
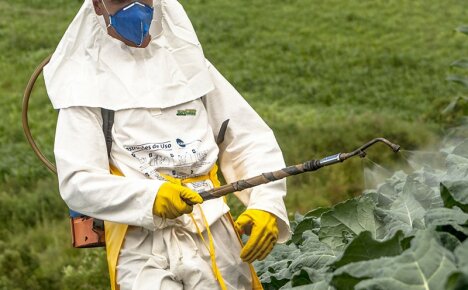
(174, 200)
(263, 236)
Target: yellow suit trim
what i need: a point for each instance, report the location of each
(115, 235)
(115, 232)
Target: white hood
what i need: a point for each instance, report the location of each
(90, 68)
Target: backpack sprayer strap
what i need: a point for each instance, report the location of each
(107, 123)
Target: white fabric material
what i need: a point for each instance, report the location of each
(174, 259)
(90, 68)
(178, 141)
(162, 125)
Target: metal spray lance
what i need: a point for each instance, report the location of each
(311, 165)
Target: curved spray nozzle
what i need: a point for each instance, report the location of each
(361, 150)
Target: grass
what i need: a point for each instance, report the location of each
(327, 76)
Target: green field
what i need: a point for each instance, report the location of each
(327, 76)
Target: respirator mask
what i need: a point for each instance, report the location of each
(132, 22)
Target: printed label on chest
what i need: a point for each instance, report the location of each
(182, 158)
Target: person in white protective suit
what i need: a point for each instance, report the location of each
(143, 60)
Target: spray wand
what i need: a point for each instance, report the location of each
(311, 165)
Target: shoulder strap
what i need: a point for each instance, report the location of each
(222, 132)
(224, 125)
(107, 123)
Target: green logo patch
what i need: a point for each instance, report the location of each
(187, 112)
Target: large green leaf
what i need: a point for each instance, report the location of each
(308, 223)
(345, 281)
(364, 248)
(459, 279)
(427, 253)
(313, 263)
(303, 265)
(461, 253)
(457, 167)
(307, 275)
(407, 212)
(455, 193)
(419, 186)
(448, 239)
(388, 191)
(346, 220)
(314, 260)
(425, 265)
(454, 217)
(274, 269)
(322, 285)
(431, 177)
(317, 212)
(315, 254)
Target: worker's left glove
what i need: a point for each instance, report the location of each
(263, 236)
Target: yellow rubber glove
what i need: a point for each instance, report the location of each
(263, 236)
(171, 200)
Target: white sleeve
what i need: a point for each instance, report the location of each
(83, 171)
(249, 149)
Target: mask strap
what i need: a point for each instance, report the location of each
(110, 19)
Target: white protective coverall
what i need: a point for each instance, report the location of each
(170, 103)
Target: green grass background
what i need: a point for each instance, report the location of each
(327, 76)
